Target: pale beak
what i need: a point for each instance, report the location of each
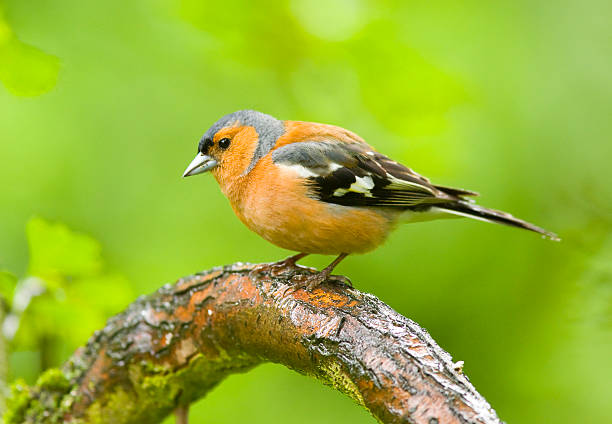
(201, 163)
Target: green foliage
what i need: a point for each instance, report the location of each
(66, 284)
(7, 286)
(58, 255)
(24, 69)
(412, 97)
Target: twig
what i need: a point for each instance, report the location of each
(181, 414)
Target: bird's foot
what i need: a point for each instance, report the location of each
(281, 267)
(310, 282)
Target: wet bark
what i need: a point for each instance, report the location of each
(171, 347)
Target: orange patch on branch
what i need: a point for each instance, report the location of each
(325, 298)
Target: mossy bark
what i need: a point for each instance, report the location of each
(170, 348)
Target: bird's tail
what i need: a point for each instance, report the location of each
(471, 210)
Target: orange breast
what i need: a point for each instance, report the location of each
(273, 202)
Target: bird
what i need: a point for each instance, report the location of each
(321, 189)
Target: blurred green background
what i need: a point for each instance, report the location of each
(102, 104)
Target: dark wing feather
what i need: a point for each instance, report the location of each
(353, 174)
(459, 192)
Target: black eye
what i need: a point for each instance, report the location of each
(224, 143)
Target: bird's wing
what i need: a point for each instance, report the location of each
(353, 174)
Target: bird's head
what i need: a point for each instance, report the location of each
(236, 142)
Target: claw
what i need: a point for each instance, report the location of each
(315, 280)
(340, 279)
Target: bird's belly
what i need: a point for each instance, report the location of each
(307, 225)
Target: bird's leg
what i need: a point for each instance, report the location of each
(315, 280)
(291, 260)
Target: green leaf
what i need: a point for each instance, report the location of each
(7, 286)
(24, 69)
(52, 316)
(79, 291)
(57, 253)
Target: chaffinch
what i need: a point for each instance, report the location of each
(316, 188)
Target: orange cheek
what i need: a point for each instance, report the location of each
(234, 161)
(237, 158)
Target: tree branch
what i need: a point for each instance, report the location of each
(170, 348)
